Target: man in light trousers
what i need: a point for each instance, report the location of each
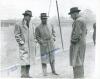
(45, 36)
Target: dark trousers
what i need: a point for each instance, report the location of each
(78, 71)
(25, 70)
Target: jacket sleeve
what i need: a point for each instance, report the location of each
(53, 32)
(37, 36)
(18, 35)
(77, 32)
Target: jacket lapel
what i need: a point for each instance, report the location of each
(24, 24)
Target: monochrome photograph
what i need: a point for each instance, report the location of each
(48, 39)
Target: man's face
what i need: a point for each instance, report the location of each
(28, 18)
(74, 15)
(44, 20)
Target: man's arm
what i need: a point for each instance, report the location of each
(53, 33)
(37, 36)
(77, 32)
(18, 36)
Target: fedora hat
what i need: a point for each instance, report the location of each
(73, 10)
(28, 12)
(43, 15)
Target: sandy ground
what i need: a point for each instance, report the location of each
(9, 56)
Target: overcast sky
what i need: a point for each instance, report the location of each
(10, 9)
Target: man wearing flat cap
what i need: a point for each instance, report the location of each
(24, 35)
(45, 36)
(78, 43)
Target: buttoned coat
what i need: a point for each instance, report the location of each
(45, 36)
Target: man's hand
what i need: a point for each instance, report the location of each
(21, 43)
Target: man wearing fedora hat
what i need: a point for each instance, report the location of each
(45, 36)
(78, 43)
(24, 35)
